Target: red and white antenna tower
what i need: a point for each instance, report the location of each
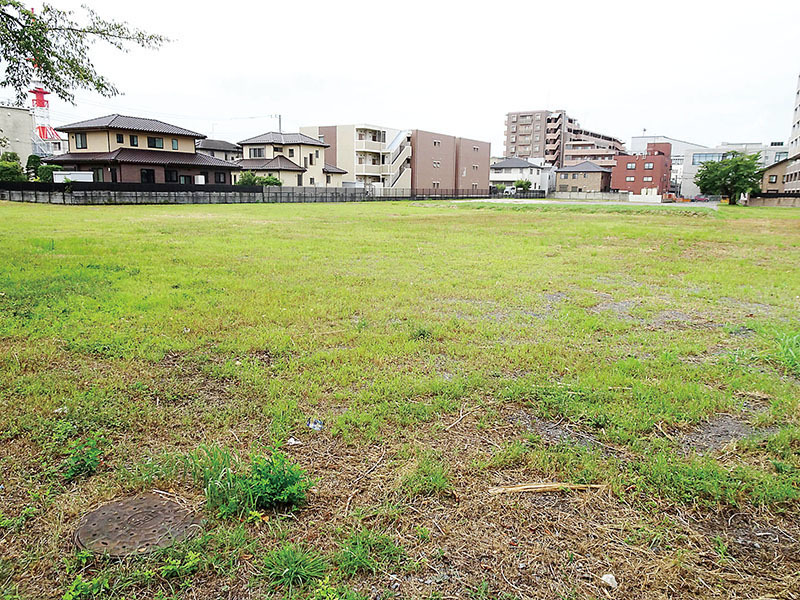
(44, 135)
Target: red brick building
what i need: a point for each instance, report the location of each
(637, 172)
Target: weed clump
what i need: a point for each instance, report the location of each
(232, 488)
(84, 458)
(430, 477)
(368, 551)
(293, 565)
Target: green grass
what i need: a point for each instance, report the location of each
(292, 566)
(441, 345)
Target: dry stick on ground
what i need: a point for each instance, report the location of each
(542, 487)
(359, 478)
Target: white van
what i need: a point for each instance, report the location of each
(510, 191)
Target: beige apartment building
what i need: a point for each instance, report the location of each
(773, 178)
(792, 183)
(556, 138)
(404, 158)
(294, 158)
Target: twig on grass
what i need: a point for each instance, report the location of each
(543, 487)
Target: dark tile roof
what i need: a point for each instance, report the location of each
(279, 163)
(221, 145)
(584, 167)
(130, 123)
(145, 157)
(333, 169)
(273, 137)
(513, 163)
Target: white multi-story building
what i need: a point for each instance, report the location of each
(792, 181)
(508, 170)
(16, 130)
(679, 150)
(770, 154)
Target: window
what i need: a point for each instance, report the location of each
(630, 178)
(155, 142)
(310, 181)
(437, 143)
(327, 178)
(311, 159)
(513, 139)
(565, 176)
(277, 149)
(321, 138)
(647, 178)
(536, 148)
(648, 166)
(299, 180)
(219, 177)
(256, 153)
(291, 152)
(80, 141)
(474, 186)
(174, 144)
(186, 179)
(170, 176)
(134, 139)
(437, 164)
(316, 153)
(120, 138)
(574, 175)
(436, 184)
(773, 179)
(148, 175)
(113, 175)
(98, 174)
(699, 159)
(211, 152)
(474, 167)
(779, 156)
(631, 166)
(476, 148)
(305, 162)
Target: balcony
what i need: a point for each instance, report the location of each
(368, 169)
(370, 146)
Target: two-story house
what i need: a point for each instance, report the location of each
(294, 158)
(137, 150)
(219, 149)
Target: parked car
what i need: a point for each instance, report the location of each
(510, 191)
(700, 198)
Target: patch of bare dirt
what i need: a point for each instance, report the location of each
(718, 432)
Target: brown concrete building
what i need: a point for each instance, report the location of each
(117, 148)
(638, 172)
(557, 138)
(446, 162)
(585, 177)
(774, 177)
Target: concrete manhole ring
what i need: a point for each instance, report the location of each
(135, 525)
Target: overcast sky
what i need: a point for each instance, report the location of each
(703, 70)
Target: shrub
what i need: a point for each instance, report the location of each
(45, 172)
(522, 184)
(32, 165)
(84, 458)
(293, 565)
(11, 171)
(233, 489)
(250, 178)
(9, 157)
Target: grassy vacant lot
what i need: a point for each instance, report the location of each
(446, 349)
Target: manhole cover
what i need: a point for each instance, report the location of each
(135, 526)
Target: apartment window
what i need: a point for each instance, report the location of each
(779, 156)
(155, 142)
(630, 178)
(436, 185)
(311, 158)
(148, 175)
(536, 138)
(219, 177)
(170, 176)
(80, 141)
(437, 143)
(514, 118)
(513, 129)
(476, 148)
(537, 128)
(327, 178)
(565, 176)
(474, 186)
(536, 148)
(98, 174)
(211, 152)
(185, 179)
(631, 166)
(648, 166)
(773, 179)
(513, 149)
(316, 153)
(256, 153)
(134, 139)
(291, 152)
(310, 181)
(513, 139)
(299, 180)
(276, 149)
(647, 178)
(174, 144)
(120, 138)
(574, 175)
(437, 164)
(474, 167)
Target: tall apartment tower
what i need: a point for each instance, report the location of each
(557, 138)
(793, 169)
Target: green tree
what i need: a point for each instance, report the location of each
(11, 171)
(522, 184)
(32, 165)
(45, 172)
(9, 157)
(732, 176)
(250, 178)
(56, 48)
